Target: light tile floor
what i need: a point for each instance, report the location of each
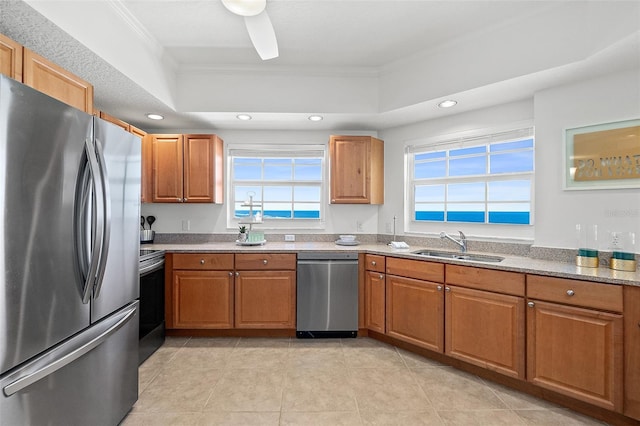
(254, 381)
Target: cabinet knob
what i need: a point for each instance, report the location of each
(447, 289)
(439, 288)
(202, 261)
(570, 292)
(230, 274)
(531, 304)
(373, 262)
(179, 200)
(184, 200)
(237, 274)
(264, 262)
(381, 276)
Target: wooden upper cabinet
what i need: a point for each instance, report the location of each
(10, 58)
(632, 351)
(202, 169)
(357, 170)
(187, 169)
(167, 164)
(49, 78)
(113, 120)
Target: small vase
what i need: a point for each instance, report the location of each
(242, 237)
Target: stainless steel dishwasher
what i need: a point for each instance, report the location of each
(327, 295)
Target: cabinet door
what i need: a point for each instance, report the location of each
(10, 58)
(146, 184)
(203, 299)
(167, 169)
(415, 312)
(486, 329)
(374, 293)
(199, 168)
(576, 352)
(265, 299)
(357, 170)
(632, 351)
(49, 78)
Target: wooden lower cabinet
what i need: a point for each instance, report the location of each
(265, 299)
(576, 352)
(374, 291)
(415, 312)
(486, 329)
(203, 299)
(632, 351)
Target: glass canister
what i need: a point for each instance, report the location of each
(587, 239)
(623, 249)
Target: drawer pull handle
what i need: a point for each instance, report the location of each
(531, 304)
(264, 261)
(202, 261)
(373, 262)
(570, 292)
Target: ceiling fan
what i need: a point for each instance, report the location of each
(258, 25)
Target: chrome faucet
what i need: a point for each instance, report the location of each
(462, 242)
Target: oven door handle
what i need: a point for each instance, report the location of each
(152, 267)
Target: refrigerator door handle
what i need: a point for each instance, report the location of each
(97, 226)
(106, 217)
(51, 363)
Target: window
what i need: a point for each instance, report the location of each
(487, 179)
(286, 184)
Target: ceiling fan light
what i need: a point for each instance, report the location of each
(245, 7)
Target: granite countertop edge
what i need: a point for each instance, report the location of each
(510, 263)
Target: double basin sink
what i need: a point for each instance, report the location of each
(459, 256)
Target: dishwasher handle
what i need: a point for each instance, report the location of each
(327, 262)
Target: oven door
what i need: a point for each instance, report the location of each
(152, 329)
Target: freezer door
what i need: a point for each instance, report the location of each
(91, 379)
(41, 146)
(119, 156)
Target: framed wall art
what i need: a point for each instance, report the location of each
(603, 156)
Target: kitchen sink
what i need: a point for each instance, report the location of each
(459, 256)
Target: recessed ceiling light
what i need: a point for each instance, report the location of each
(315, 117)
(243, 117)
(155, 116)
(447, 104)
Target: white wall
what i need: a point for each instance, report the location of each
(212, 218)
(612, 98)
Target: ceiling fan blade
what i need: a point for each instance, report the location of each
(262, 35)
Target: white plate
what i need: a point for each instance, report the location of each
(347, 243)
(250, 243)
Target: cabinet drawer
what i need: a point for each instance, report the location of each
(265, 261)
(210, 261)
(418, 269)
(575, 292)
(486, 279)
(374, 262)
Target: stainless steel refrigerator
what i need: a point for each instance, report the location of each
(69, 249)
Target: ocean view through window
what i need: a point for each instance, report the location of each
(486, 179)
(286, 184)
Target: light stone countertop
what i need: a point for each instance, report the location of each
(510, 263)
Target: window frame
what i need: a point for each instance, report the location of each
(447, 143)
(265, 152)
